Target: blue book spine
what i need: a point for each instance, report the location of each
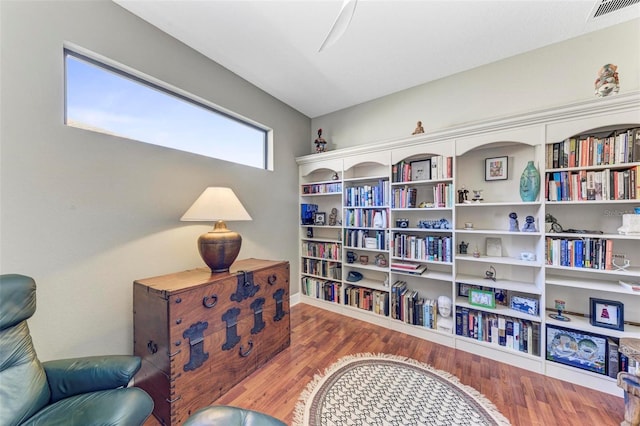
(578, 246)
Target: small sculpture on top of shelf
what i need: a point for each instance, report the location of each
(309, 232)
(463, 194)
(490, 274)
(321, 144)
(333, 217)
(513, 222)
(529, 225)
(351, 256)
(425, 205)
(560, 306)
(607, 81)
(381, 261)
(419, 129)
(462, 247)
(335, 176)
(445, 322)
(477, 195)
(476, 252)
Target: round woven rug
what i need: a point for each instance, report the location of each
(379, 389)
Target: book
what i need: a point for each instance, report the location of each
(613, 364)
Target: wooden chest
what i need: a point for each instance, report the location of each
(199, 333)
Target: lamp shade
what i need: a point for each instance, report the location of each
(219, 247)
(216, 203)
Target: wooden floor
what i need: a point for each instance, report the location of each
(320, 337)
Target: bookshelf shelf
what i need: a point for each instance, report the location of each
(510, 285)
(502, 260)
(430, 171)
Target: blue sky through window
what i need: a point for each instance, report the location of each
(102, 100)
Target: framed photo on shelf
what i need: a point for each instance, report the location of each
(496, 168)
(482, 298)
(463, 289)
(421, 170)
(578, 349)
(494, 247)
(606, 313)
(525, 305)
(319, 218)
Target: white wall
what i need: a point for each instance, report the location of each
(552, 76)
(85, 214)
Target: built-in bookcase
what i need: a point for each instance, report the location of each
(409, 228)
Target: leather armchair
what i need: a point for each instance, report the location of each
(79, 391)
(224, 415)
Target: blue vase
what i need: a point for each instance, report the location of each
(530, 183)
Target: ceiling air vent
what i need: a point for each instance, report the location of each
(604, 7)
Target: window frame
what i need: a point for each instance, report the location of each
(167, 89)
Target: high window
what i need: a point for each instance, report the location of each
(104, 98)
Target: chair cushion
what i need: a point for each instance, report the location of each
(127, 406)
(17, 299)
(230, 416)
(23, 382)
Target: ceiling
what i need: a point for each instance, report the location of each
(390, 45)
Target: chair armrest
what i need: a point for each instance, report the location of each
(68, 377)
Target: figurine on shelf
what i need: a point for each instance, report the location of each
(419, 129)
(320, 142)
(333, 217)
(445, 319)
(477, 195)
(490, 274)
(513, 222)
(335, 176)
(560, 306)
(462, 195)
(463, 247)
(529, 225)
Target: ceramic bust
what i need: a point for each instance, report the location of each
(445, 321)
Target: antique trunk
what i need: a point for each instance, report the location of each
(199, 333)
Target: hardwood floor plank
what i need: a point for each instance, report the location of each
(320, 337)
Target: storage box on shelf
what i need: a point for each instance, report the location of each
(585, 255)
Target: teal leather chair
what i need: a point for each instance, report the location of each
(80, 391)
(224, 415)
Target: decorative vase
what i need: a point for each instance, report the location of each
(530, 183)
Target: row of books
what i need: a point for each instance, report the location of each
(322, 188)
(366, 218)
(436, 167)
(367, 195)
(321, 289)
(580, 252)
(406, 197)
(363, 238)
(407, 306)
(322, 250)
(619, 148)
(375, 301)
(513, 333)
(429, 247)
(322, 268)
(594, 185)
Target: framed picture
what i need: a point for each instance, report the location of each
(494, 247)
(578, 349)
(319, 218)
(501, 296)
(421, 170)
(463, 289)
(483, 298)
(525, 305)
(606, 313)
(496, 168)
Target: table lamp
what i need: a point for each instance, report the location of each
(220, 246)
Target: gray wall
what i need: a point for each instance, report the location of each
(552, 76)
(85, 214)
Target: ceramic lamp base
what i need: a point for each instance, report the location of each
(220, 247)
